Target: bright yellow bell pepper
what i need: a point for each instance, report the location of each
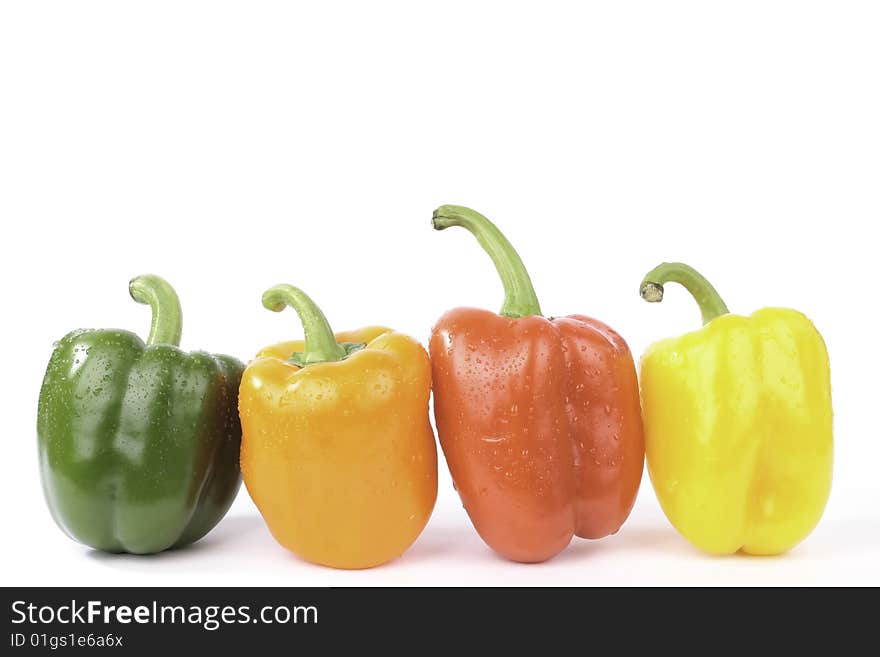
(738, 423)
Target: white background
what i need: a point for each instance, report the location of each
(232, 146)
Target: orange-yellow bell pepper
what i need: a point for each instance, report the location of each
(337, 450)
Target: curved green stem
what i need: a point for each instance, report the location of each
(320, 343)
(167, 321)
(706, 296)
(520, 299)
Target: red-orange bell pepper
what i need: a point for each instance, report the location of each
(539, 418)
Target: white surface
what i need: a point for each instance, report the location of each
(232, 146)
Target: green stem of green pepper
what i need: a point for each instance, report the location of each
(167, 321)
(707, 297)
(520, 299)
(320, 343)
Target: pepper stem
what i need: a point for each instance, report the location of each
(520, 299)
(166, 325)
(320, 343)
(707, 297)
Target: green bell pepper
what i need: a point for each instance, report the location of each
(139, 443)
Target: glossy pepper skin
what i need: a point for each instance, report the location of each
(337, 451)
(538, 418)
(738, 423)
(138, 443)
